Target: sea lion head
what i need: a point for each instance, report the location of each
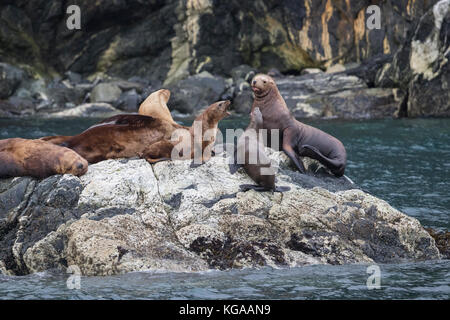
(217, 111)
(262, 85)
(72, 163)
(164, 94)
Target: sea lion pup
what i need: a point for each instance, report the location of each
(39, 159)
(156, 105)
(297, 139)
(250, 154)
(202, 133)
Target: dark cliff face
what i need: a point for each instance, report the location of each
(168, 40)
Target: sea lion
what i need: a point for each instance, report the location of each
(296, 138)
(39, 159)
(156, 105)
(250, 154)
(207, 124)
(134, 135)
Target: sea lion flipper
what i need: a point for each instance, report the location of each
(293, 156)
(330, 163)
(246, 187)
(153, 161)
(282, 189)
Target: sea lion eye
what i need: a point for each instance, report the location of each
(265, 81)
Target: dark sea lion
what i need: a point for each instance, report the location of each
(156, 105)
(207, 123)
(296, 138)
(134, 135)
(251, 155)
(39, 159)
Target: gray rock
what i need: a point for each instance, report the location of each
(129, 85)
(338, 95)
(60, 93)
(196, 92)
(243, 97)
(19, 106)
(74, 78)
(10, 79)
(105, 92)
(244, 72)
(128, 101)
(421, 68)
(96, 110)
(127, 215)
(310, 71)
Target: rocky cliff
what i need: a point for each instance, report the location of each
(128, 215)
(192, 45)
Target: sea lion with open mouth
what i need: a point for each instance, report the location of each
(297, 139)
(184, 147)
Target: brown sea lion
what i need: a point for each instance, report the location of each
(37, 158)
(156, 105)
(56, 139)
(205, 126)
(296, 138)
(251, 155)
(134, 135)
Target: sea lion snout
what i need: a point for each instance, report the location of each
(223, 107)
(79, 167)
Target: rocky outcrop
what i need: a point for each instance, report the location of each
(421, 66)
(196, 92)
(168, 40)
(205, 51)
(338, 95)
(127, 215)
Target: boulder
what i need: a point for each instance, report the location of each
(244, 72)
(338, 95)
(126, 215)
(128, 101)
(10, 79)
(421, 66)
(95, 110)
(196, 92)
(105, 92)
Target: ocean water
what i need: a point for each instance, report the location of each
(405, 162)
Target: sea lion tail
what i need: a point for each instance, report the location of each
(335, 165)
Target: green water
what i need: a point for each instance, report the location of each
(405, 162)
